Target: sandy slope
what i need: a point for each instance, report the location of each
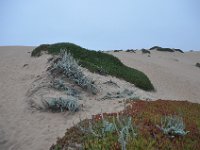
(174, 75)
(22, 127)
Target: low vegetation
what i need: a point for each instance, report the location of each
(165, 49)
(118, 50)
(98, 62)
(131, 50)
(144, 51)
(198, 65)
(68, 66)
(142, 125)
(62, 104)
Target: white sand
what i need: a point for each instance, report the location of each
(22, 127)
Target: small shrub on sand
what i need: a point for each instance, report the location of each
(59, 84)
(165, 49)
(61, 104)
(144, 51)
(197, 65)
(99, 62)
(118, 50)
(131, 50)
(67, 65)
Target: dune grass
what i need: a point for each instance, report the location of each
(146, 119)
(99, 62)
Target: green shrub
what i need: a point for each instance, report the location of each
(198, 65)
(165, 49)
(38, 50)
(131, 50)
(101, 63)
(118, 50)
(144, 51)
(154, 47)
(178, 50)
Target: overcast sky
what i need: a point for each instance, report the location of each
(102, 24)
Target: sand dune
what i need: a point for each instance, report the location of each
(174, 75)
(22, 127)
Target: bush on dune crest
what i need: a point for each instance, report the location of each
(99, 62)
(166, 49)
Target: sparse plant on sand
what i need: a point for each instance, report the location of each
(61, 104)
(59, 84)
(117, 50)
(158, 48)
(197, 65)
(172, 126)
(120, 94)
(67, 65)
(131, 50)
(144, 51)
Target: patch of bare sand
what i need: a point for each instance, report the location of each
(174, 75)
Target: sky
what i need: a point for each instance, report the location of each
(102, 24)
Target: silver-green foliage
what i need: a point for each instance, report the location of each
(173, 125)
(61, 104)
(59, 85)
(120, 94)
(106, 127)
(125, 130)
(69, 66)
